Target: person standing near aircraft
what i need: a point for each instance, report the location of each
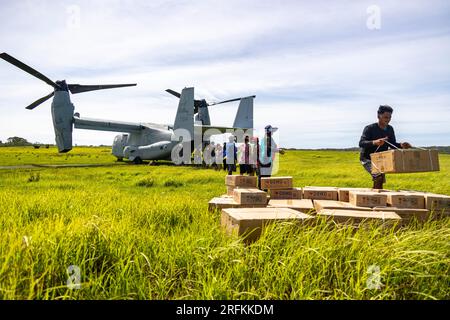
(224, 156)
(266, 150)
(231, 154)
(245, 156)
(377, 137)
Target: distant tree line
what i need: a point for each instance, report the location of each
(20, 142)
(16, 141)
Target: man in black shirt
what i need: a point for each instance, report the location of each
(378, 137)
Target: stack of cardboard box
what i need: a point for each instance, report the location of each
(238, 218)
(250, 222)
(355, 205)
(280, 188)
(284, 195)
(239, 181)
(241, 193)
(438, 203)
(246, 210)
(408, 205)
(420, 205)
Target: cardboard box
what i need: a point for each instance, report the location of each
(250, 222)
(220, 203)
(331, 204)
(343, 192)
(367, 199)
(383, 190)
(241, 181)
(230, 191)
(407, 214)
(302, 205)
(357, 217)
(404, 161)
(438, 203)
(406, 200)
(320, 193)
(294, 193)
(250, 196)
(276, 182)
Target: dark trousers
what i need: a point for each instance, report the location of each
(245, 168)
(267, 174)
(377, 178)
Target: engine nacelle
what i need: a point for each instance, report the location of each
(119, 144)
(159, 150)
(62, 114)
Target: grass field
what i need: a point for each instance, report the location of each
(144, 232)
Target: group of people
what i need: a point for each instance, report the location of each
(255, 156)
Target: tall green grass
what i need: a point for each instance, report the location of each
(144, 232)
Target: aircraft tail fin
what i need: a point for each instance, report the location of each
(185, 113)
(244, 115)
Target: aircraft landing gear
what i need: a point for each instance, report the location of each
(137, 160)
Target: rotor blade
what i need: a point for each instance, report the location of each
(176, 94)
(27, 69)
(78, 88)
(225, 101)
(39, 101)
(197, 103)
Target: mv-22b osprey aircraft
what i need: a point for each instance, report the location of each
(139, 141)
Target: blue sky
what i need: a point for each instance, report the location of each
(319, 69)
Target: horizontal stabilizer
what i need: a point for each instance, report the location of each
(220, 129)
(106, 125)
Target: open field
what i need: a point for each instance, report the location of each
(144, 232)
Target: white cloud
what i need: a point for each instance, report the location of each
(316, 69)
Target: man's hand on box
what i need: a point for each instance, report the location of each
(405, 145)
(379, 142)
